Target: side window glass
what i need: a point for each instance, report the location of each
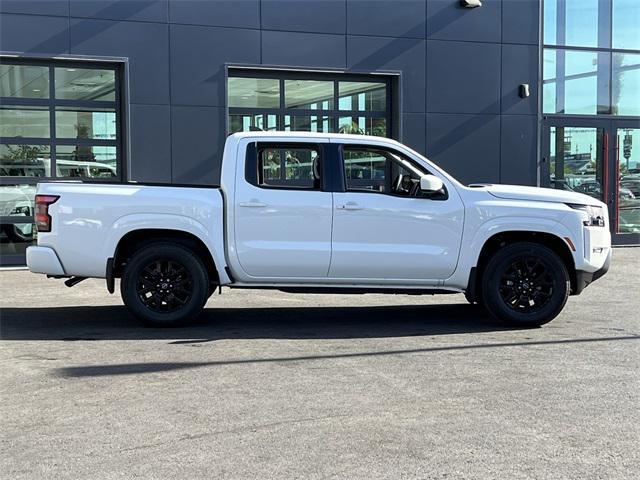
(286, 167)
(380, 171)
(365, 170)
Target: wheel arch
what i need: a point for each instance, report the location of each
(139, 238)
(499, 240)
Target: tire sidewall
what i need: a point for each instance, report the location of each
(501, 261)
(165, 251)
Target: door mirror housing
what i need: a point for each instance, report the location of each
(430, 184)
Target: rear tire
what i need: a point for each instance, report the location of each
(525, 284)
(165, 285)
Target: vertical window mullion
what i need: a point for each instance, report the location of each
(52, 123)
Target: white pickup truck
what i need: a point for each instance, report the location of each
(308, 213)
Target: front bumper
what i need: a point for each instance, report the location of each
(44, 260)
(583, 279)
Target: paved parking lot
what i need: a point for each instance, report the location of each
(272, 385)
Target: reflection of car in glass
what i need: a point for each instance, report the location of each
(17, 201)
(631, 183)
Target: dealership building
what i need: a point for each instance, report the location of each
(531, 92)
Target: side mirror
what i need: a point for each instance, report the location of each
(430, 184)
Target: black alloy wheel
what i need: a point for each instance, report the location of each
(525, 284)
(165, 284)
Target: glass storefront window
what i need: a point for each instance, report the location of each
(576, 23)
(626, 24)
(576, 82)
(25, 160)
(363, 126)
(85, 161)
(308, 94)
(307, 123)
(86, 123)
(24, 121)
(626, 84)
(24, 81)
(253, 92)
(84, 84)
(306, 102)
(629, 183)
(362, 96)
(16, 203)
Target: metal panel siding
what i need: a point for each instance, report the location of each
(392, 18)
(407, 55)
(198, 56)
(467, 146)
(519, 149)
(463, 77)
(221, 13)
(34, 34)
(140, 10)
(36, 7)
(319, 16)
(197, 141)
(303, 49)
(151, 143)
(447, 20)
(145, 44)
(519, 65)
(520, 21)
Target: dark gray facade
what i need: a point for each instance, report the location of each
(459, 71)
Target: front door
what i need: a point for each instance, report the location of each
(600, 158)
(385, 228)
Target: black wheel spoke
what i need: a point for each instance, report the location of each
(164, 286)
(526, 285)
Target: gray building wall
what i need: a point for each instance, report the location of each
(461, 69)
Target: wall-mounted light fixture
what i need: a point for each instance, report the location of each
(523, 90)
(470, 3)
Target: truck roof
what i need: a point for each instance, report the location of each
(337, 136)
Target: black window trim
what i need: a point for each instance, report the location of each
(252, 174)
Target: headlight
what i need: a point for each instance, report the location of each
(596, 214)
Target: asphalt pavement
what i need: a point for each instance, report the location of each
(274, 385)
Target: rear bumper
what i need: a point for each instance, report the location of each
(44, 260)
(583, 279)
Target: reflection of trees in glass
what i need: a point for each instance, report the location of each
(351, 128)
(23, 152)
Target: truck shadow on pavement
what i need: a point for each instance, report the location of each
(115, 323)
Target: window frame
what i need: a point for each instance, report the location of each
(334, 114)
(388, 151)
(51, 103)
(252, 164)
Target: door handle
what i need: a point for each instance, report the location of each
(255, 203)
(350, 206)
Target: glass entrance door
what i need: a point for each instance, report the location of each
(600, 158)
(627, 188)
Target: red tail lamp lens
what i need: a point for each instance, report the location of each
(42, 217)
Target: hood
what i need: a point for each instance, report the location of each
(517, 192)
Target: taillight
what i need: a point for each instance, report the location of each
(42, 217)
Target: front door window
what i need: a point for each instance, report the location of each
(628, 185)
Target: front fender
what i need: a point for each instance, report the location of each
(475, 241)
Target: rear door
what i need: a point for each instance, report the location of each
(384, 227)
(282, 211)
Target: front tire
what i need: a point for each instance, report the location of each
(165, 285)
(525, 284)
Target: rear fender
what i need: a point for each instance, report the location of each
(130, 223)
